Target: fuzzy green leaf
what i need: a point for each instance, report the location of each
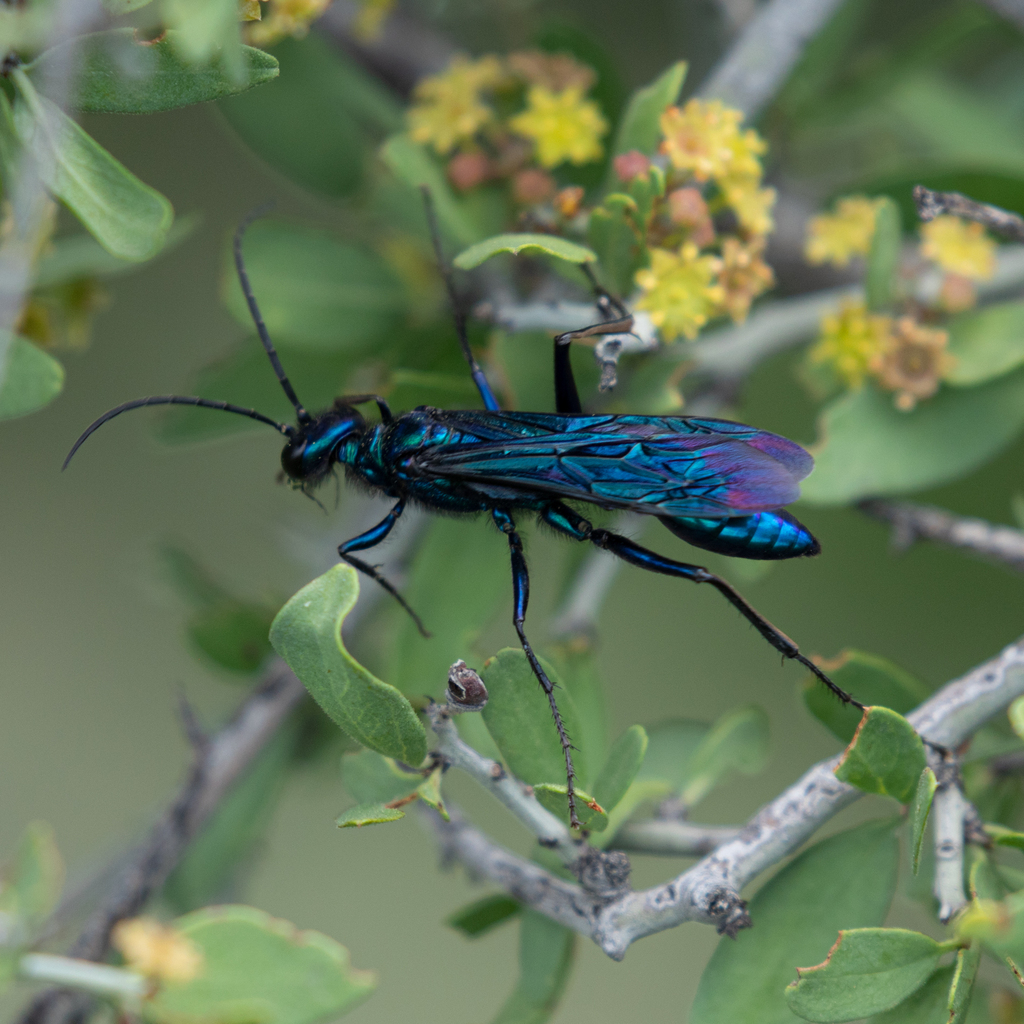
(256, 968)
(554, 796)
(480, 917)
(160, 79)
(1003, 836)
(316, 291)
(737, 741)
(872, 680)
(546, 952)
(928, 1005)
(962, 987)
(429, 791)
(867, 971)
(316, 123)
(639, 128)
(886, 756)
(307, 634)
(870, 448)
(368, 814)
(620, 767)
(845, 881)
(551, 245)
(127, 217)
(518, 718)
(884, 257)
(29, 377)
(985, 343)
(919, 811)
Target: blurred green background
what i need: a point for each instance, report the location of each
(94, 656)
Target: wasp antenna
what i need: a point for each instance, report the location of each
(459, 313)
(254, 310)
(284, 428)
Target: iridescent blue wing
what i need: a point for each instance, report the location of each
(672, 466)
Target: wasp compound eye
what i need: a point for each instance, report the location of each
(466, 690)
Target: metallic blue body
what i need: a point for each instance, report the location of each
(716, 484)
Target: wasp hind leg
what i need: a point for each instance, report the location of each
(521, 598)
(563, 519)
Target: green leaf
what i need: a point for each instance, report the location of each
(1003, 836)
(919, 811)
(612, 236)
(73, 257)
(845, 881)
(371, 778)
(867, 971)
(737, 741)
(1015, 713)
(620, 767)
(962, 987)
(128, 218)
(871, 448)
(552, 245)
(639, 128)
(546, 952)
(414, 166)
(928, 1005)
(581, 678)
(159, 79)
(29, 377)
(880, 282)
(257, 968)
(229, 838)
(483, 915)
(307, 634)
(885, 756)
(315, 291)
(368, 814)
(555, 797)
(315, 122)
(32, 883)
(872, 680)
(457, 580)
(985, 343)
(518, 718)
(408, 389)
(429, 791)
(233, 634)
(671, 747)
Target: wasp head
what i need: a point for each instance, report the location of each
(315, 447)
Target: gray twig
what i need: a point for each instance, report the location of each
(673, 838)
(949, 814)
(934, 204)
(709, 892)
(911, 522)
(765, 52)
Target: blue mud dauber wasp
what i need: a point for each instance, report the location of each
(716, 484)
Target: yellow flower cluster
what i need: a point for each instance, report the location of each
(714, 166)
(959, 247)
(453, 110)
(158, 951)
(563, 125)
(449, 109)
(901, 355)
(679, 290)
(283, 18)
(847, 232)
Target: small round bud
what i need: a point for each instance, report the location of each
(466, 690)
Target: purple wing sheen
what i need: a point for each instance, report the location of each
(666, 465)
